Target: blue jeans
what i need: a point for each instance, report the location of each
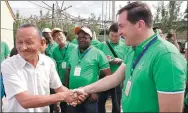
(87, 106)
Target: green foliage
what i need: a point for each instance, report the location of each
(93, 23)
(168, 16)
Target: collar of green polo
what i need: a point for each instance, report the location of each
(138, 49)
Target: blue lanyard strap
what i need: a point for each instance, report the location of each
(143, 52)
(85, 52)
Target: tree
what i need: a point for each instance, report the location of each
(93, 23)
(167, 16)
(16, 24)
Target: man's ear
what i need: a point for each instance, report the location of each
(43, 41)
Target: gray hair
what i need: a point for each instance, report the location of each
(31, 25)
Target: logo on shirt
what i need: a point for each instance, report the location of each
(141, 66)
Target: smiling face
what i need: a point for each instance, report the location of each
(60, 38)
(126, 29)
(28, 42)
(84, 40)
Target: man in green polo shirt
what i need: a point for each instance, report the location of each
(4, 51)
(154, 72)
(115, 57)
(85, 64)
(51, 44)
(186, 91)
(61, 55)
(94, 42)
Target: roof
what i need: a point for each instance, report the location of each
(10, 9)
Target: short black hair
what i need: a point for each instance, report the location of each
(13, 52)
(155, 28)
(31, 25)
(113, 27)
(138, 11)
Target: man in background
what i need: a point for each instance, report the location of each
(61, 55)
(51, 44)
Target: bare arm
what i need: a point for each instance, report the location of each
(27, 100)
(170, 102)
(107, 82)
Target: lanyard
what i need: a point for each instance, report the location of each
(143, 52)
(84, 54)
(65, 52)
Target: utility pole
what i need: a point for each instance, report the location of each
(109, 9)
(53, 16)
(102, 15)
(113, 11)
(105, 21)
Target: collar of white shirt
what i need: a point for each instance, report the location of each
(23, 62)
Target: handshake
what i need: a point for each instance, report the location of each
(74, 97)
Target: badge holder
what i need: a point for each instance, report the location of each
(77, 71)
(128, 87)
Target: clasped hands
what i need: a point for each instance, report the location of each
(75, 97)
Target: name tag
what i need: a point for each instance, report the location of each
(128, 86)
(77, 71)
(63, 65)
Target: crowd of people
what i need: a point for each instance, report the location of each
(139, 69)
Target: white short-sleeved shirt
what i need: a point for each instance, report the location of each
(186, 45)
(20, 76)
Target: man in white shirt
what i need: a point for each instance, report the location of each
(28, 76)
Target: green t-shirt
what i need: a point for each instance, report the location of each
(4, 51)
(162, 69)
(50, 48)
(61, 57)
(91, 63)
(94, 42)
(119, 49)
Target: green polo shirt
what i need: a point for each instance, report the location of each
(186, 91)
(91, 64)
(50, 48)
(4, 51)
(75, 41)
(119, 49)
(94, 42)
(161, 69)
(62, 55)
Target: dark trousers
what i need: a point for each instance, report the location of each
(185, 109)
(87, 106)
(63, 106)
(52, 106)
(116, 94)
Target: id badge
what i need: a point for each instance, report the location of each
(128, 87)
(63, 65)
(77, 71)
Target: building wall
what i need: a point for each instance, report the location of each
(6, 25)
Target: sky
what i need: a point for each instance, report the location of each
(81, 8)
